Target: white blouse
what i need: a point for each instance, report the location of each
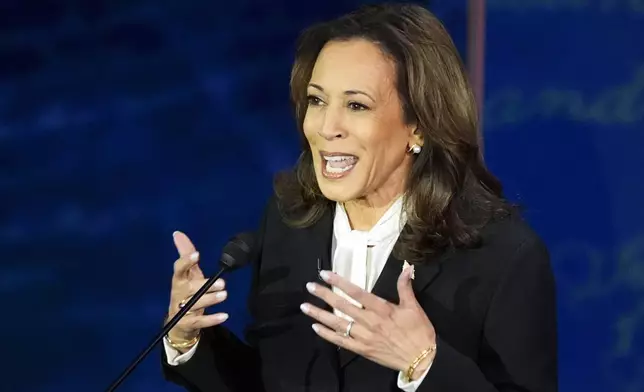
(360, 256)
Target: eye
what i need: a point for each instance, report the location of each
(313, 100)
(357, 107)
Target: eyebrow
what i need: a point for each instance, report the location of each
(348, 92)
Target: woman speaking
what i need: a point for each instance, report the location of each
(387, 259)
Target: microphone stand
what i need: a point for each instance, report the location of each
(173, 321)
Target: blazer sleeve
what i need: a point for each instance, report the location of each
(519, 342)
(223, 362)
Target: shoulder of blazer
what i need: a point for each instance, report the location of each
(507, 241)
(273, 209)
(272, 224)
(510, 231)
(275, 221)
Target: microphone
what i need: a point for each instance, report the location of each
(236, 254)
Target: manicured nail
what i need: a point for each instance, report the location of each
(221, 295)
(310, 287)
(194, 256)
(325, 275)
(305, 308)
(219, 284)
(316, 328)
(222, 317)
(175, 233)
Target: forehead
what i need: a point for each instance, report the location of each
(353, 64)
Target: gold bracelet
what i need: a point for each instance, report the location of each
(414, 364)
(183, 345)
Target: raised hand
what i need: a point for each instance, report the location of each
(187, 280)
(392, 335)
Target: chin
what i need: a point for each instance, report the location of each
(341, 191)
(340, 187)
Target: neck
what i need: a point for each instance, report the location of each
(364, 213)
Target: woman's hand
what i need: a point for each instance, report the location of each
(388, 334)
(187, 280)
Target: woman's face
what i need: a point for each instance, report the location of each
(354, 124)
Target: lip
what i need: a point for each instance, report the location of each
(336, 175)
(335, 154)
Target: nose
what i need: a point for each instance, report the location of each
(332, 127)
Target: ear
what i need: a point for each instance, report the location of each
(416, 136)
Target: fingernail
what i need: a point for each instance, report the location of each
(316, 328)
(194, 256)
(305, 308)
(222, 317)
(412, 271)
(325, 275)
(221, 295)
(174, 233)
(310, 287)
(219, 284)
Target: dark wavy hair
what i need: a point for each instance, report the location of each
(450, 193)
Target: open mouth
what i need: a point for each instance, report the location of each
(337, 165)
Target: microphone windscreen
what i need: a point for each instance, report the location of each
(237, 252)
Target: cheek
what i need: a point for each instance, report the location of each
(382, 144)
(385, 151)
(309, 127)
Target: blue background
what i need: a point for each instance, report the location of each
(124, 120)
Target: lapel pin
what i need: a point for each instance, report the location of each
(407, 265)
(320, 270)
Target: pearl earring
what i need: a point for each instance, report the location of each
(415, 149)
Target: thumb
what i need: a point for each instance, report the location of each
(183, 244)
(187, 250)
(405, 289)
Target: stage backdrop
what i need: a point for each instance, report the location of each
(122, 121)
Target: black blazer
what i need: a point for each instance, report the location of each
(493, 309)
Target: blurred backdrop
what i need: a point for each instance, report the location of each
(124, 120)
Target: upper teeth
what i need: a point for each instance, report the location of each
(337, 158)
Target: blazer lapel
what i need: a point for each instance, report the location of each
(321, 243)
(386, 287)
(321, 246)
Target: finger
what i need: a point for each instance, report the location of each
(210, 299)
(337, 302)
(183, 244)
(405, 288)
(368, 300)
(184, 264)
(195, 285)
(183, 292)
(338, 324)
(329, 335)
(186, 248)
(196, 322)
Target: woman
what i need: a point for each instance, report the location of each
(388, 259)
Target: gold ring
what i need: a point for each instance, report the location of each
(184, 302)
